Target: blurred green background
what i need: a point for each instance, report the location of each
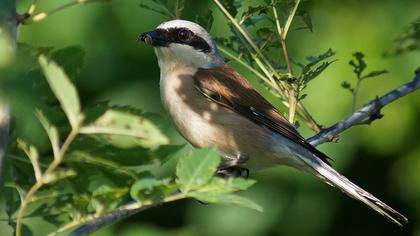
(383, 158)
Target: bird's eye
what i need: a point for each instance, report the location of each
(184, 35)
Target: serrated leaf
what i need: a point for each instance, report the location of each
(119, 123)
(197, 169)
(306, 18)
(374, 74)
(51, 131)
(316, 59)
(225, 198)
(148, 188)
(312, 74)
(359, 64)
(63, 89)
(206, 20)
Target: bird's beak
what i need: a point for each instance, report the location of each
(153, 38)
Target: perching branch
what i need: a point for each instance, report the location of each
(8, 27)
(367, 113)
(97, 223)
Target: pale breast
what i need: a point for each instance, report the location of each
(203, 122)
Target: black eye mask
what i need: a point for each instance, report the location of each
(183, 36)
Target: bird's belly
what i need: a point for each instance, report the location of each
(203, 122)
(230, 133)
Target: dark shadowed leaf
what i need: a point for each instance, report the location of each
(408, 40)
(231, 6)
(206, 20)
(358, 64)
(306, 18)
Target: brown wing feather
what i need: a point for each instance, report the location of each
(226, 87)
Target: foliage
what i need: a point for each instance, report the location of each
(87, 174)
(359, 66)
(408, 40)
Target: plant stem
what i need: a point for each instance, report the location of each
(291, 95)
(244, 64)
(39, 183)
(279, 86)
(250, 42)
(355, 93)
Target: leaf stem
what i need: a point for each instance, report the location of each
(355, 93)
(39, 183)
(282, 32)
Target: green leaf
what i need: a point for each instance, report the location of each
(306, 18)
(51, 131)
(225, 198)
(33, 155)
(308, 71)
(63, 89)
(58, 175)
(197, 169)
(374, 74)
(106, 198)
(119, 123)
(206, 20)
(148, 188)
(359, 64)
(220, 185)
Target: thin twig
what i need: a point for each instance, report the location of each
(367, 111)
(282, 32)
(40, 183)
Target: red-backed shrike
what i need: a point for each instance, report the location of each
(211, 104)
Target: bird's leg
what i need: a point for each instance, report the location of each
(230, 167)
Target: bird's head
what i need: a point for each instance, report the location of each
(183, 42)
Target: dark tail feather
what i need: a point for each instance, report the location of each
(327, 173)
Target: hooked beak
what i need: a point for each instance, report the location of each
(153, 38)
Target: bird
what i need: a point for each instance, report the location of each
(210, 104)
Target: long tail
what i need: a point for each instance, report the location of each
(326, 172)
